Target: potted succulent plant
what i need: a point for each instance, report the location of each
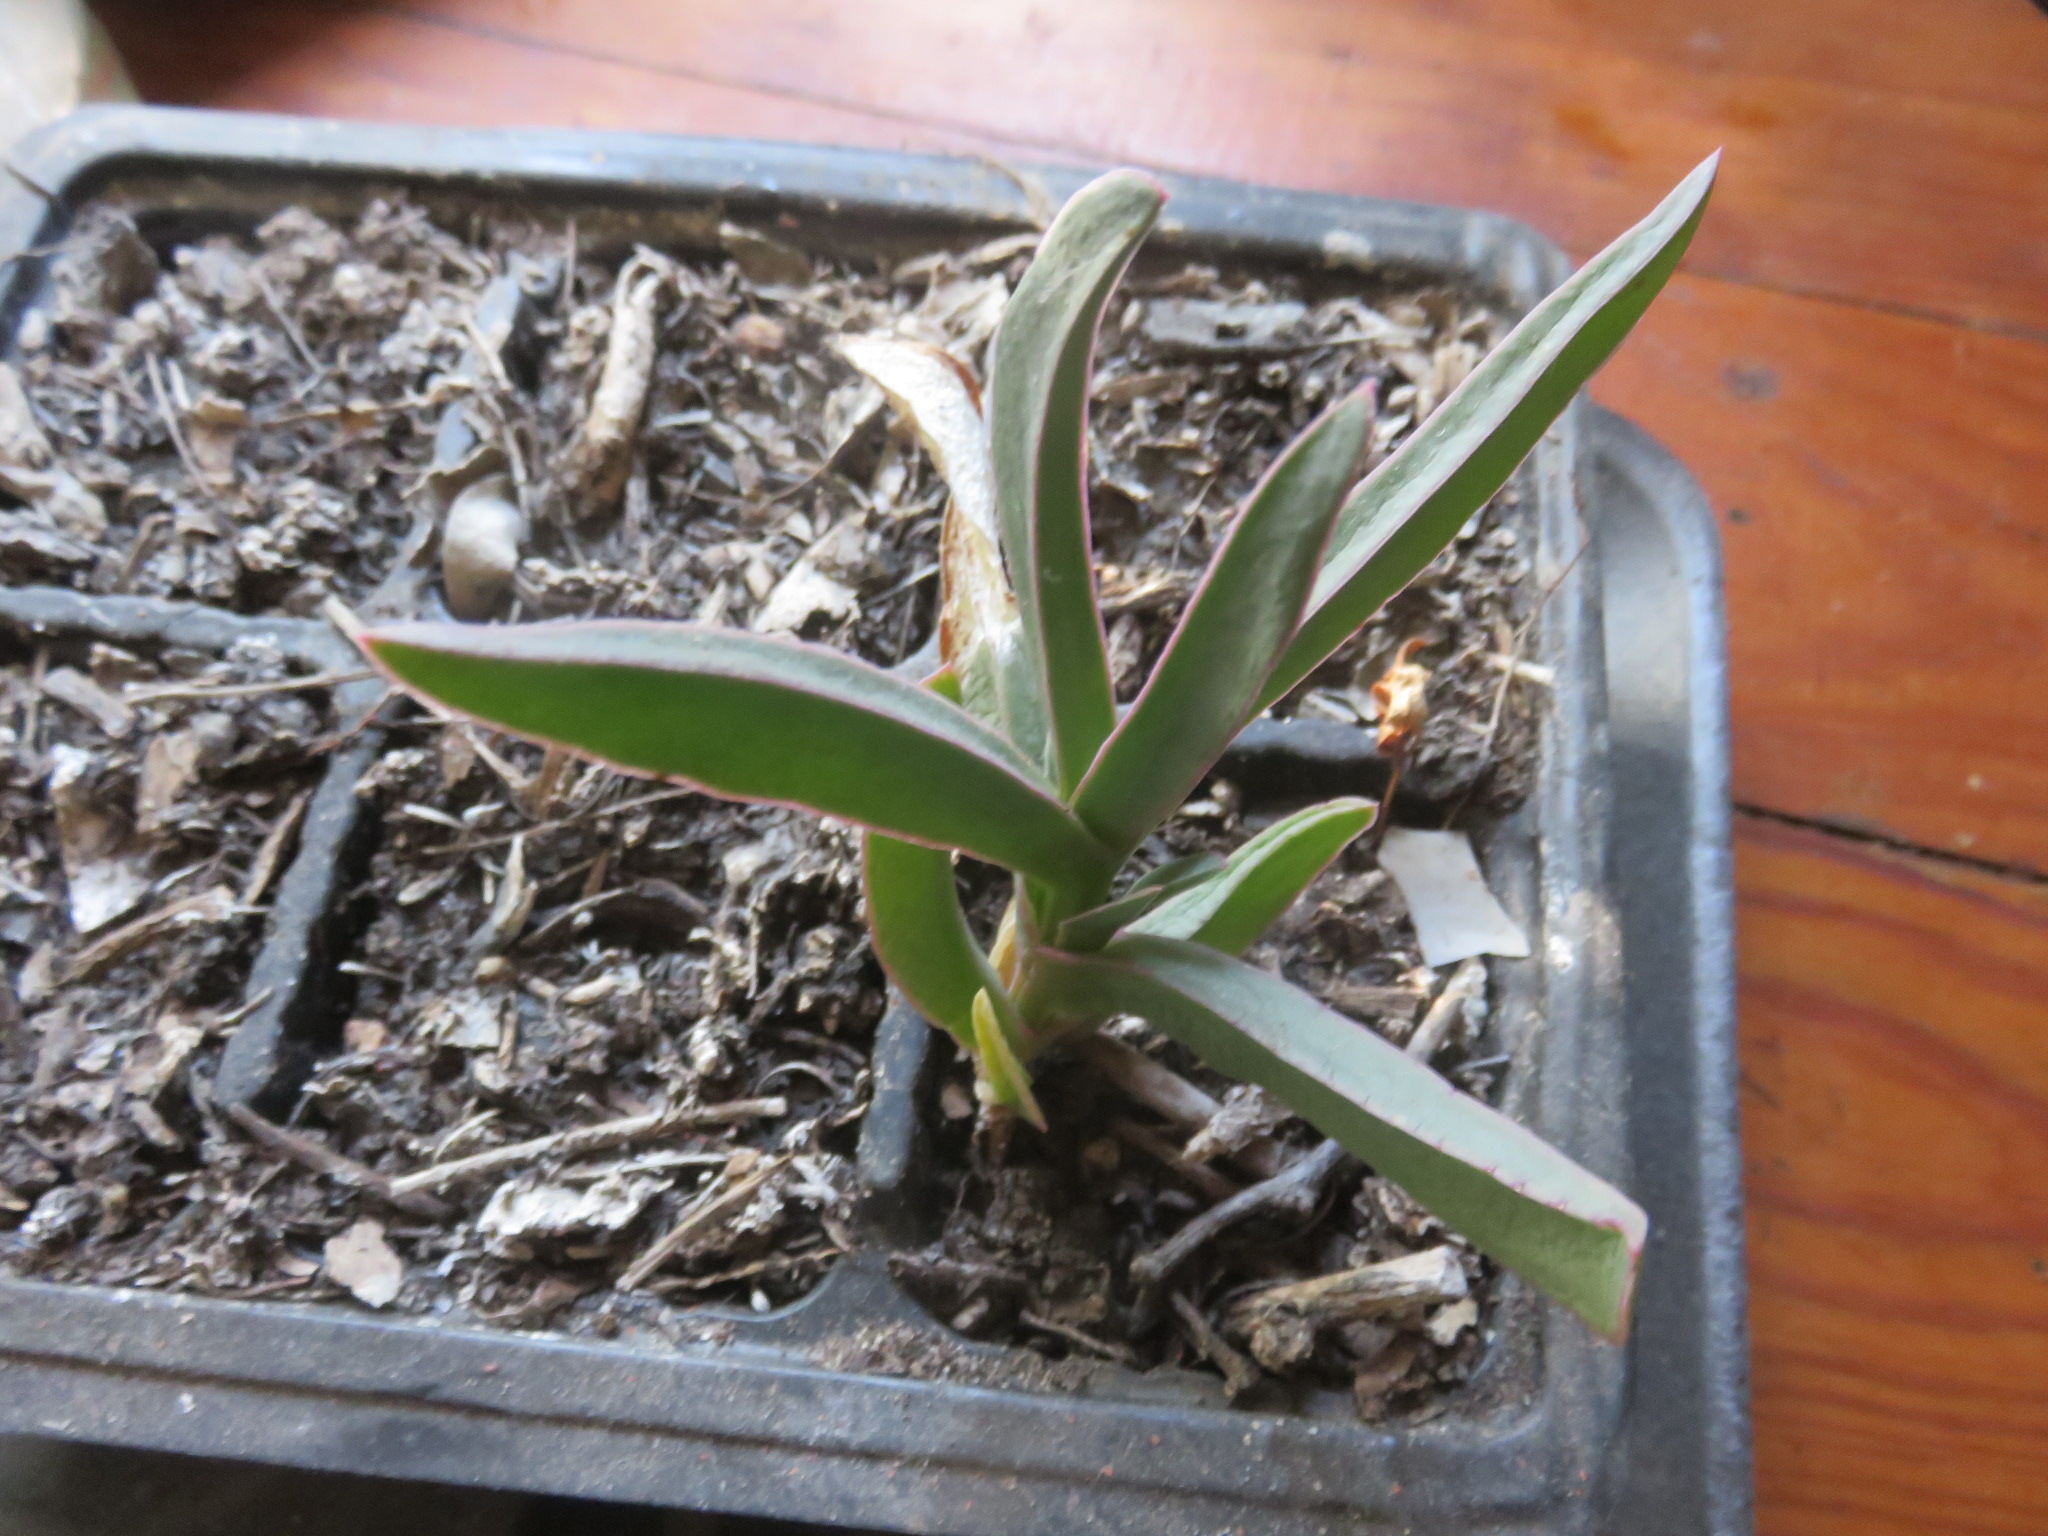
(440, 1075)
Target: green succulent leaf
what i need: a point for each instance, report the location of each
(1570, 1234)
(1234, 629)
(1094, 928)
(1230, 909)
(921, 935)
(1038, 418)
(1411, 507)
(753, 717)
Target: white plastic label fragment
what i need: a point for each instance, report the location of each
(1455, 915)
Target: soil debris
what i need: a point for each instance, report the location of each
(382, 416)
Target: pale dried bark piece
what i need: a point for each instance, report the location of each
(1281, 1322)
(468, 1020)
(531, 1207)
(362, 1261)
(803, 595)
(511, 908)
(1247, 1113)
(599, 460)
(69, 686)
(211, 906)
(106, 875)
(1455, 915)
(1447, 1322)
(1466, 986)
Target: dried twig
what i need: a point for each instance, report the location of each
(1296, 1191)
(308, 1153)
(1239, 1374)
(774, 1263)
(201, 481)
(1467, 982)
(1169, 1094)
(285, 321)
(592, 813)
(1120, 1353)
(1200, 1176)
(263, 868)
(158, 695)
(741, 1180)
(590, 1138)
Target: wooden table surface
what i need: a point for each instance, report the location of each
(1854, 362)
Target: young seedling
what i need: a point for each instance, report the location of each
(1014, 752)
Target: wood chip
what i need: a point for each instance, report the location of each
(1467, 984)
(69, 686)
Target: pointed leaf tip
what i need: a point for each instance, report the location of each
(1521, 1201)
(1411, 507)
(1038, 419)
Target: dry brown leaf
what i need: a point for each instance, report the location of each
(1402, 695)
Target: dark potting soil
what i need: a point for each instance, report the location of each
(275, 424)
(148, 809)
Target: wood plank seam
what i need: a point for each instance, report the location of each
(2024, 873)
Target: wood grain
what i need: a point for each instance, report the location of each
(1882, 488)
(1895, 1129)
(1934, 202)
(1983, 51)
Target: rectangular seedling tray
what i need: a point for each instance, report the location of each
(1619, 1028)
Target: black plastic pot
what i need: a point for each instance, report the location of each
(1620, 1030)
